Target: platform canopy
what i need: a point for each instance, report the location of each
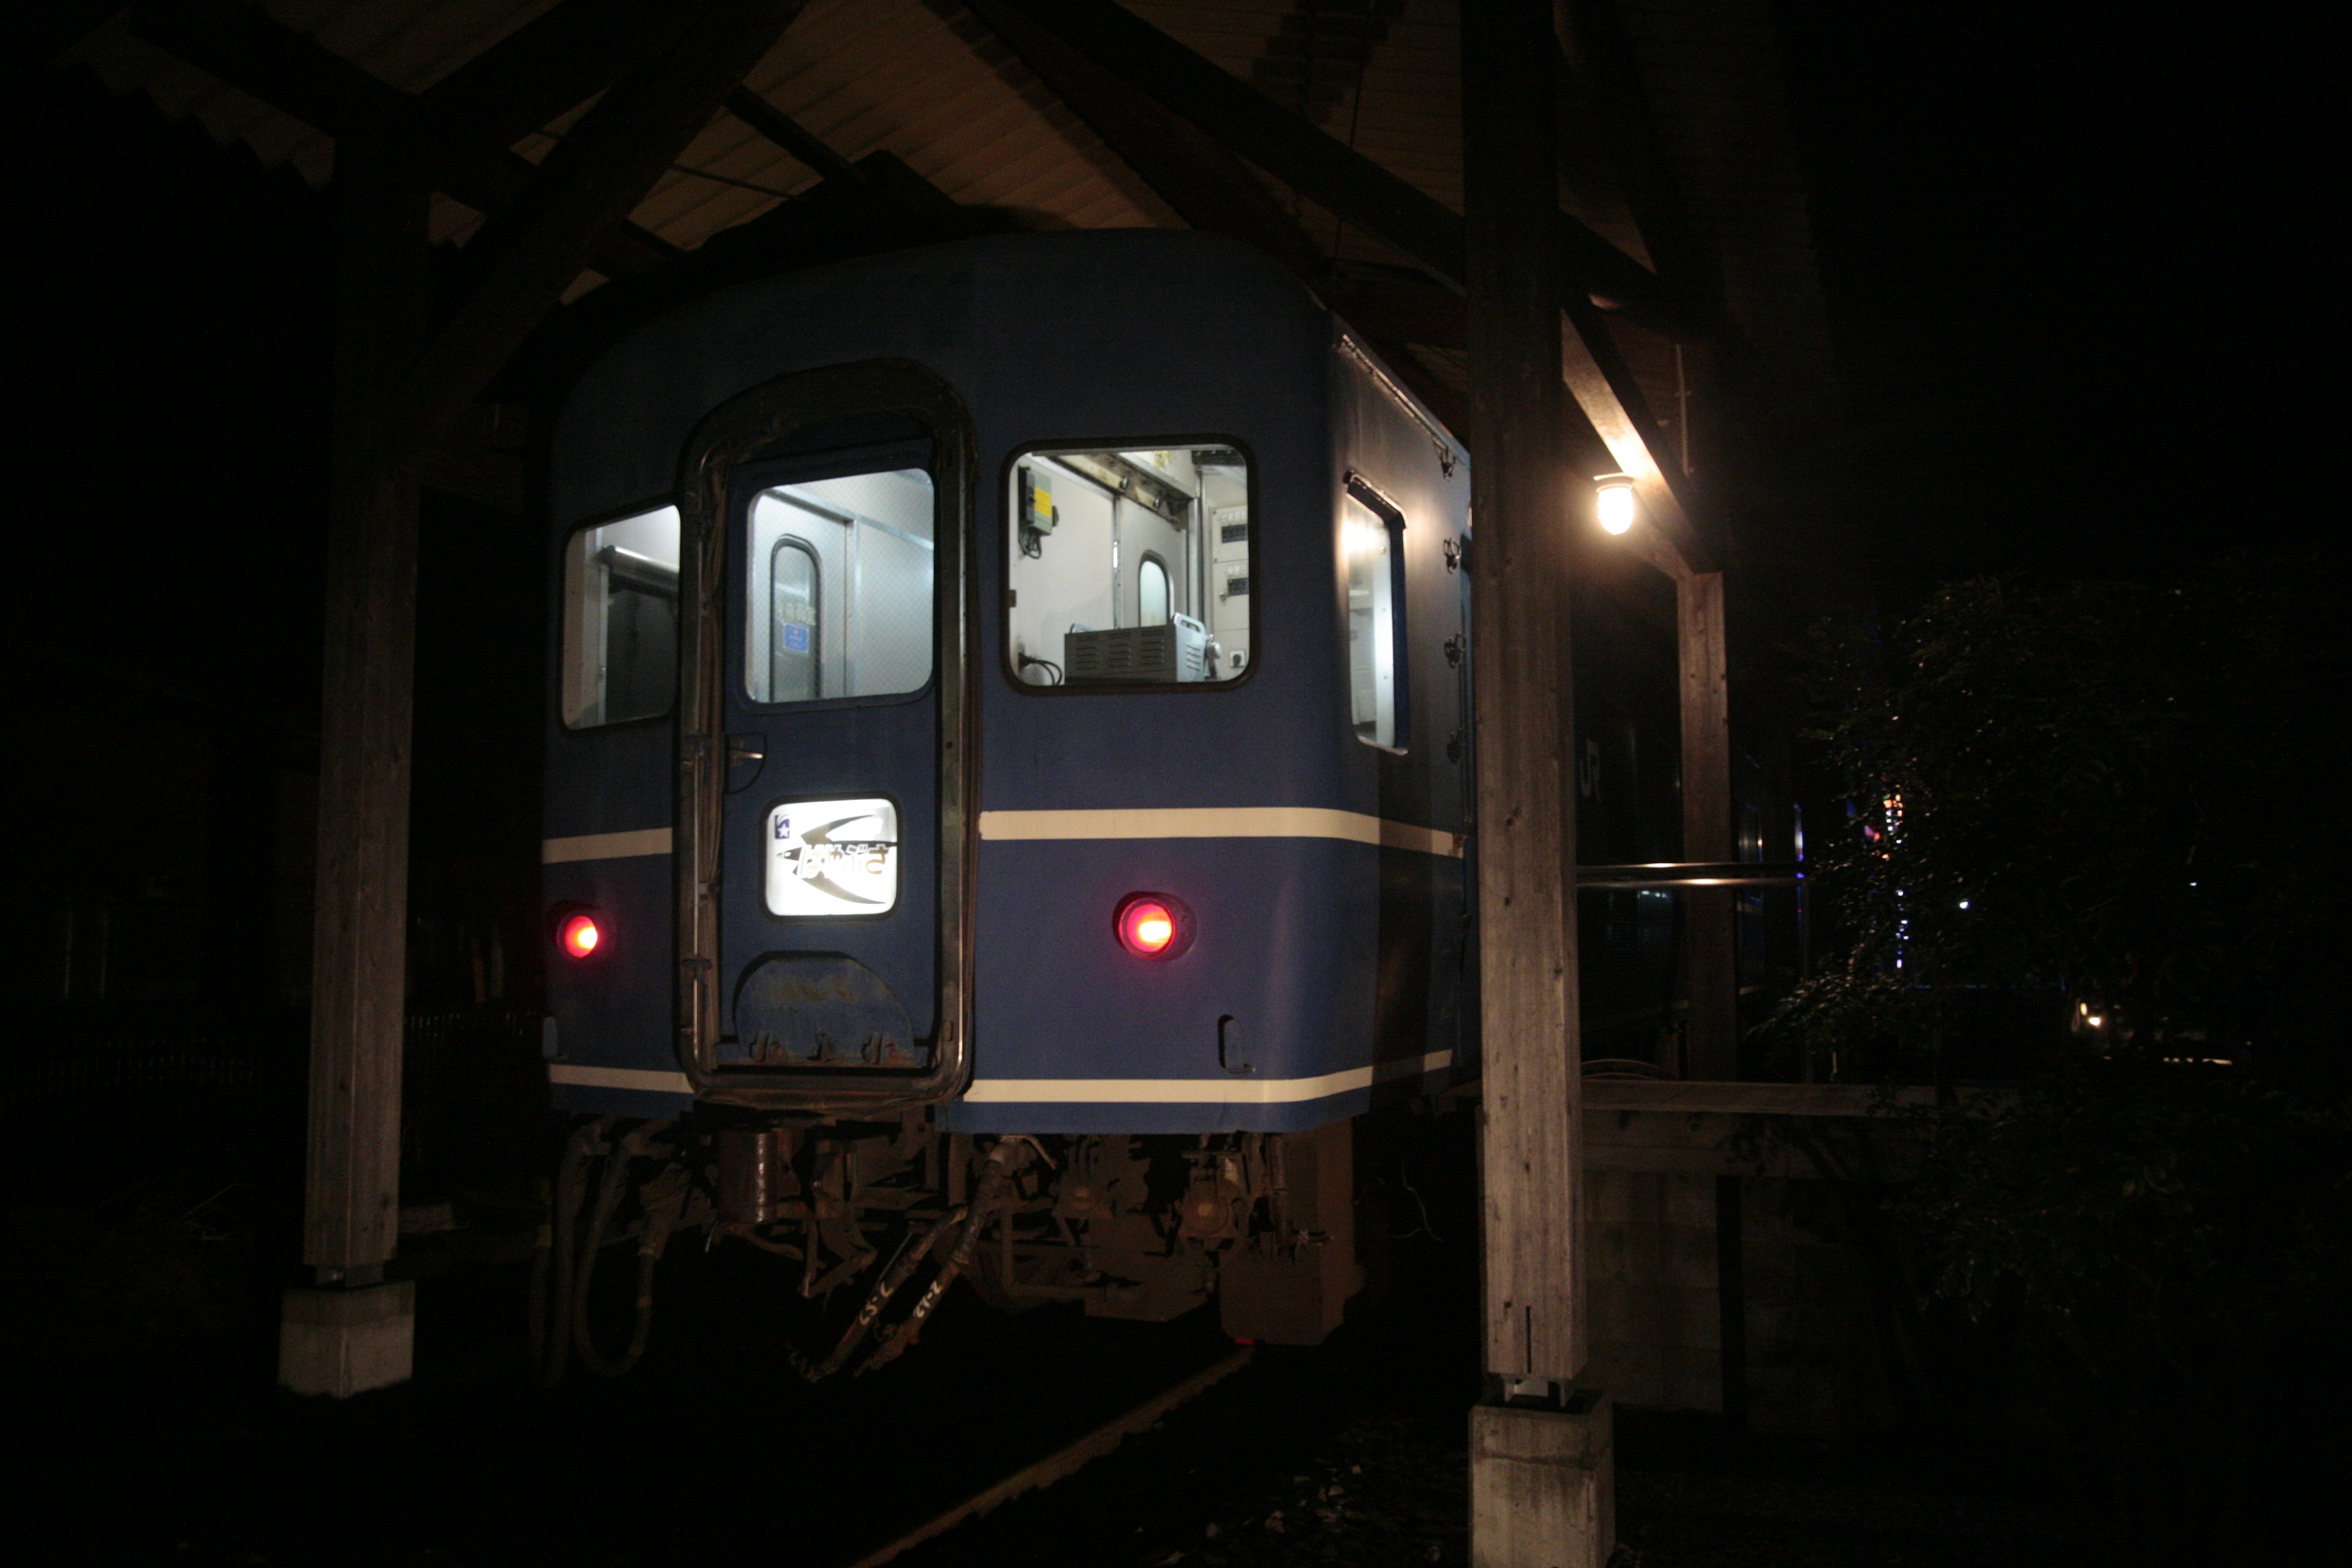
(1328, 132)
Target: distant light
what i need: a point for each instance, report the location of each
(1964, 904)
(1618, 503)
(2095, 1021)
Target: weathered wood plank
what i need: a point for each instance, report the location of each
(359, 961)
(1602, 1095)
(1525, 829)
(1711, 1049)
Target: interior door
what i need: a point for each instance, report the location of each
(822, 844)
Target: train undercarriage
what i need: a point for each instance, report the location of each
(890, 1215)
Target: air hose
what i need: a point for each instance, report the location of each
(551, 1309)
(660, 1213)
(1005, 1162)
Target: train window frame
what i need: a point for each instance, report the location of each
(754, 479)
(1010, 548)
(565, 648)
(1362, 491)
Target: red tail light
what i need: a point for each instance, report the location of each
(1153, 925)
(580, 936)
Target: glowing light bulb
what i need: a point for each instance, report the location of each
(581, 936)
(1153, 925)
(1617, 502)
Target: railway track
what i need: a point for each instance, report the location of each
(1065, 1461)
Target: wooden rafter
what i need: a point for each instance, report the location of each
(1212, 190)
(1606, 389)
(1319, 167)
(790, 135)
(461, 154)
(1606, 76)
(557, 61)
(532, 252)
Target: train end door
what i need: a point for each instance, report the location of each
(823, 864)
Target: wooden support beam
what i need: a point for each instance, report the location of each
(1209, 187)
(1319, 167)
(532, 252)
(1525, 822)
(358, 967)
(1542, 1481)
(1711, 1045)
(789, 134)
(1199, 177)
(1607, 75)
(1605, 388)
(459, 152)
(557, 61)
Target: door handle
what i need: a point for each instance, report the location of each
(745, 753)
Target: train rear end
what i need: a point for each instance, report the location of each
(1006, 782)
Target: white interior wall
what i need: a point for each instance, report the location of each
(875, 579)
(1069, 580)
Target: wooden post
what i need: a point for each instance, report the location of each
(1538, 1453)
(1711, 1047)
(353, 1331)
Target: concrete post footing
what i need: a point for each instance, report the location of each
(342, 1343)
(1543, 1484)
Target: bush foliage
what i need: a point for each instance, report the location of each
(2109, 806)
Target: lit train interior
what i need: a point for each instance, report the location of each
(1129, 567)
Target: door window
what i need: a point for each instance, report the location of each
(839, 601)
(1130, 567)
(1151, 593)
(619, 620)
(795, 628)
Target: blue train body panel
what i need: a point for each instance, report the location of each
(1328, 876)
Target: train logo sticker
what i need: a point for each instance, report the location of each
(833, 858)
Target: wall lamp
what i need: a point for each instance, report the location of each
(1618, 503)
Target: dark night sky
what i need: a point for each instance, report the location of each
(2072, 256)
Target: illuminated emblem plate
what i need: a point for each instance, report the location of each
(833, 858)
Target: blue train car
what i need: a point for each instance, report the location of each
(1007, 769)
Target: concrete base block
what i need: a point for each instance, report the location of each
(1543, 1485)
(342, 1343)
